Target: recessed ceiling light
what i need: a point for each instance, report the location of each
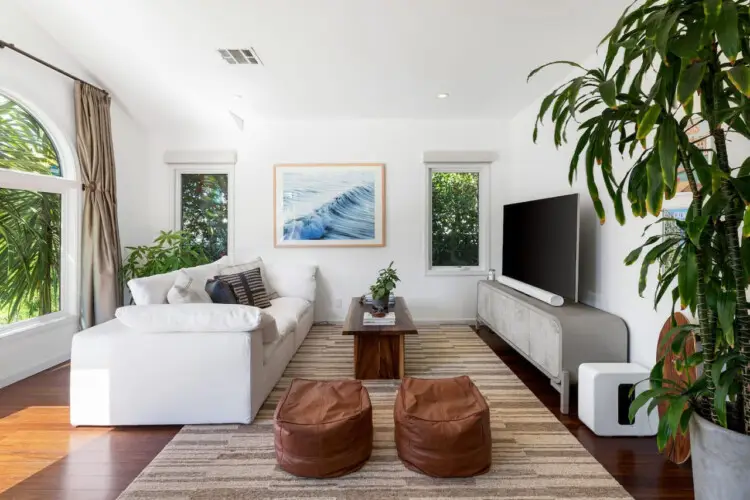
(444, 95)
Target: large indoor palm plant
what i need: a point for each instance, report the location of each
(671, 66)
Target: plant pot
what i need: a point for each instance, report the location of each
(721, 461)
(380, 304)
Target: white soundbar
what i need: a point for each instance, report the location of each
(532, 291)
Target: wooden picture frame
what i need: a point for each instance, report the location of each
(306, 194)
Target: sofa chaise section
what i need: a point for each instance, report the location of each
(125, 376)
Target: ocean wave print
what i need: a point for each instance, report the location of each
(348, 216)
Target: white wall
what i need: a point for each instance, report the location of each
(344, 272)
(25, 353)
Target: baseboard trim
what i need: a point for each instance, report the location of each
(444, 322)
(33, 370)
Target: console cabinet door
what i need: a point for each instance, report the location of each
(486, 305)
(505, 316)
(544, 343)
(518, 327)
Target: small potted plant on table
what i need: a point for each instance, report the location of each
(382, 288)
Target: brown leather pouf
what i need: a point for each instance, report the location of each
(443, 427)
(323, 429)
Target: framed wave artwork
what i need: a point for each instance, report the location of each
(329, 205)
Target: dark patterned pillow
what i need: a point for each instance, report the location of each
(248, 288)
(220, 292)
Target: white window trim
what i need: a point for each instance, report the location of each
(483, 169)
(68, 186)
(178, 170)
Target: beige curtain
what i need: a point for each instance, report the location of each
(101, 292)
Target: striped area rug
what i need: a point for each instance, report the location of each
(534, 456)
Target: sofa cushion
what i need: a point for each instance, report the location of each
(288, 306)
(293, 280)
(268, 329)
(292, 307)
(280, 349)
(191, 317)
(154, 289)
(286, 321)
(286, 311)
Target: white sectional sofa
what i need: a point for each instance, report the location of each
(122, 375)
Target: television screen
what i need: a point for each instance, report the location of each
(540, 244)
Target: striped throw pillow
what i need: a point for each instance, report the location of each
(248, 288)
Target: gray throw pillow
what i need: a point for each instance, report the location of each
(220, 292)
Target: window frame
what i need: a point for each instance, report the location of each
(179, 170)
(483, 169)
(68, 186)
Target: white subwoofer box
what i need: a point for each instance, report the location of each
(604, 399)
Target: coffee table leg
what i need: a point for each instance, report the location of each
(401, 356)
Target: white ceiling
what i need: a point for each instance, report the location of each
(324, 58)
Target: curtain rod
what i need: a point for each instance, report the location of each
(7, 45)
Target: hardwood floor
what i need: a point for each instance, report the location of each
(43, 458)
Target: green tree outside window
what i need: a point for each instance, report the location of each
(205, 211)
(455, 219)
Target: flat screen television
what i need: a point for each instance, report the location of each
(540, 244)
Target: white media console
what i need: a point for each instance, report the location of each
(557, 340)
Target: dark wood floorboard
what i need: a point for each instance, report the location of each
(102, 467)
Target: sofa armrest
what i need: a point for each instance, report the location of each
(191, 317)
(293, 280)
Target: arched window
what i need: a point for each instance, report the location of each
(37, 218)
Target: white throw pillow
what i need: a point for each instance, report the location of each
(256, 263)
(296, 280)
(188, 290)
(154, 289)
(191, 317)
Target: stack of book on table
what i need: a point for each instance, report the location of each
(369, 320)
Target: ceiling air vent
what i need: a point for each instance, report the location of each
(240, 56)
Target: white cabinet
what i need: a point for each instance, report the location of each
(555, 339)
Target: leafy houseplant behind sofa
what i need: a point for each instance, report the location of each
(170, 251)
(161, 364)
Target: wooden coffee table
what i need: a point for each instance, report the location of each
(379, 350)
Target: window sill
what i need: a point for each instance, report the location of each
(450, 271)
(38, 324)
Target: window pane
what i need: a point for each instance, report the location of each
(29, 254)
(455, 219)
(205, 211)
(24, 144)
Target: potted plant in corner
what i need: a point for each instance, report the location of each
(673, 66)
(382, 288)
